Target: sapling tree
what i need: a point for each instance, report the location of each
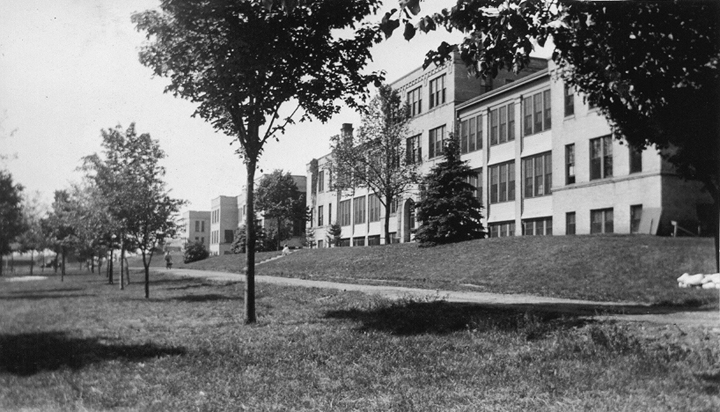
(245, 63)
(379, 157)
(449, 209)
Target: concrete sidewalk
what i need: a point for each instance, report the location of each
(624, 311)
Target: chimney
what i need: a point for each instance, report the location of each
(347, 130)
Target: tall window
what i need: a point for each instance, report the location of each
(537, 113)
(502, 182)
(601, 158)
(359, 210)
(330, 221)
(635, 160)
(197, 225)
(569, 101)
(437, 91)
(479, 136)
(635, 216)
(538, 175)
(476, 182)
(344, 212)
(569, 164)
(414, 100)
(601, 221)
(472, 134)
(321, 181)
(202, 226)
(436, 137)
(511, 122)
(374, 208)
(537, 227)
(394, 205)
(229, 234)
(320, 216)
(464, 136)
(570, 223)
(413, 151)
(494, 127)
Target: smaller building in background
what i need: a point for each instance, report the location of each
(223, 223)
(196, 227)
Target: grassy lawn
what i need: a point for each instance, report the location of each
(223, 263)
(607, 268)
(85, 345)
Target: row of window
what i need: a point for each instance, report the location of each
(321, 181)
(601, 160)
(438, 94)
(215, 236)
(199, 225)
(601, 222)
(215, 216)
(373, 240)
(363, 207)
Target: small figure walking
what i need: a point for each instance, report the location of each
(286, 250)
(168, 260)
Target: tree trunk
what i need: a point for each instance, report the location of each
(110, 267)
(42, 268)
(32, 261)
(99, 265)
(62, 267)
(12, 262)
(1, 264)
(122, 261)
(388, 203)
(146, 264)
(250, 240)
(127, 271)
(278, 234)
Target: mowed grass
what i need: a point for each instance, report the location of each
(223, 263)
(605, 268)
(85, 345)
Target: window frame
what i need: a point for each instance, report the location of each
(537, 173)
(606, 225)
(414, 101)
(437, 93)
(569, 101)
(537, 113)
(436, 147)
(601, 166)
(498, 194)
(635, 160)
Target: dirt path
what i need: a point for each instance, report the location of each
(626, 311)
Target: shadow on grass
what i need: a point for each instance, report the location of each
(441, 317)
(30, 353)
(38, 296)
(20, 292)
(206, 298)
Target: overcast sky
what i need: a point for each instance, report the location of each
(69, 68)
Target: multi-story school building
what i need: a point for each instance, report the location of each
(544, 159)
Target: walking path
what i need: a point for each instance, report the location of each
(627, 311)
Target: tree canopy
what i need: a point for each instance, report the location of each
(11, 216)
(243, 61)
(378, 157)
(278, 198)
(449, 209)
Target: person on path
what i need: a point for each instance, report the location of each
(286, 250)
(168, 260)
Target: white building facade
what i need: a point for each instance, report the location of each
(545, 164)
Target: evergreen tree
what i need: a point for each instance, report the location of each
(448, 208)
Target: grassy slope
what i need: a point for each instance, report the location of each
(606, 268)
(85, 345)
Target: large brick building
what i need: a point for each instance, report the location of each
(545, 163)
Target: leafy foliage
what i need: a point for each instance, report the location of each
(333, 234)
(239, 244)
(11, 217)
(448, 208)
(130, 177)
(375, 158)
(195, 251)
(278, 198)
(242, 61)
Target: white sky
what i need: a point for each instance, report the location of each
(69, 68)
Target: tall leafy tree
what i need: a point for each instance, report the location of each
(31, 240)
(60, 228)
(651, 67)
(378, 157)
(130, 177)
(278, 198)
(243, 62)
(11, 216)
(449, 208)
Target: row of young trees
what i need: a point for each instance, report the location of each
(121, 204)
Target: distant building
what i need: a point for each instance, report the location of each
(196, 227)
(545, 164)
